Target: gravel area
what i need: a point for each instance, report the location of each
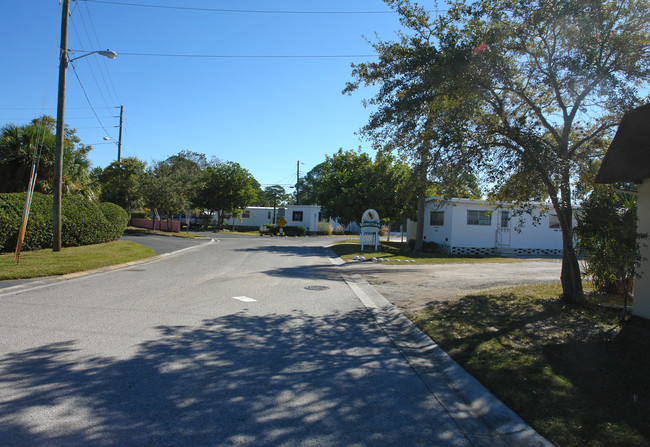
(412, 287)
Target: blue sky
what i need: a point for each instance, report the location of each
(264, 113)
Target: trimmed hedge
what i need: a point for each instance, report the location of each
(82, 222)
(287, 230)
(117, 219)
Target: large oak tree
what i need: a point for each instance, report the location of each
(543, 83)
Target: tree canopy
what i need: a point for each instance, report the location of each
(349, 182)
(531, 87)
(121, 183)
(20, 145)
(226, 187)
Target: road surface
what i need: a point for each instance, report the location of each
(236, 342)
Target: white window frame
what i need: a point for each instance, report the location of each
(479, 217)
(505, 219)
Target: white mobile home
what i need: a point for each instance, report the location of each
(476, 227)
(306, 216)
(254, 216)
(296, 216)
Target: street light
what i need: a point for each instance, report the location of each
(58, 155)
(108, 53)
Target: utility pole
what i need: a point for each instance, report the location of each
(60, 130)
(298, 183)
(119, 141)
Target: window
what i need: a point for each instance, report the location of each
(297, 216)
(437, 218)
(269, 215)
(505, 219)
(246, 215)
(479, 217)
(553, 221)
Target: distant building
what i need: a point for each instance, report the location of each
(477, 227)
(628, 160)
(306, 216)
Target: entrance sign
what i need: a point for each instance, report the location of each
(370, 226)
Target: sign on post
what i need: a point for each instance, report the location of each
(370, 226)
(281, 222)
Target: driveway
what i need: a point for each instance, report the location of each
(412, 287)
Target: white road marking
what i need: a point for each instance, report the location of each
(245, 299)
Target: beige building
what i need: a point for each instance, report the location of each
(628, 160)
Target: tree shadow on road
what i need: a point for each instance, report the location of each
(235, 380)
(290, 250)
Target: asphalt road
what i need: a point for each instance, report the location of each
(162, 244)
(237, 342)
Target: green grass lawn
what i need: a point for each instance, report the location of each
(37, 263)
(393, 251)
(578, 375)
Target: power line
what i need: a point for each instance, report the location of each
(52, 108)
(252, 56)
(88, 99)
(241, 11)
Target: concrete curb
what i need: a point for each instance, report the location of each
(485, 420)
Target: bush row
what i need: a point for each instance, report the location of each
(82, 222)
(287, 231)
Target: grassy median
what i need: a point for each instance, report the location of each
(37, 263)
(577, 374)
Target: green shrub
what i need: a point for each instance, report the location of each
(287, 231)
(39, 227)
(325, 228)
(295, 231)
(608, 239)
(82, 222)
(116, 218)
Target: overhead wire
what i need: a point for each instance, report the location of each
(74, 70)
(253, 56)
(244, 11)
(107, 84)
(89, 61)
(101, 61)
(92, 73)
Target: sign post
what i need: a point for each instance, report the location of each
(281, 223)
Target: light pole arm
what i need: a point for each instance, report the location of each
(108, 53)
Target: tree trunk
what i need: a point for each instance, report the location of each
(419, 231)
(422, 195)
(572, 292)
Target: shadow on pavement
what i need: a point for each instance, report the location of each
(235, 380)
(289, 250)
